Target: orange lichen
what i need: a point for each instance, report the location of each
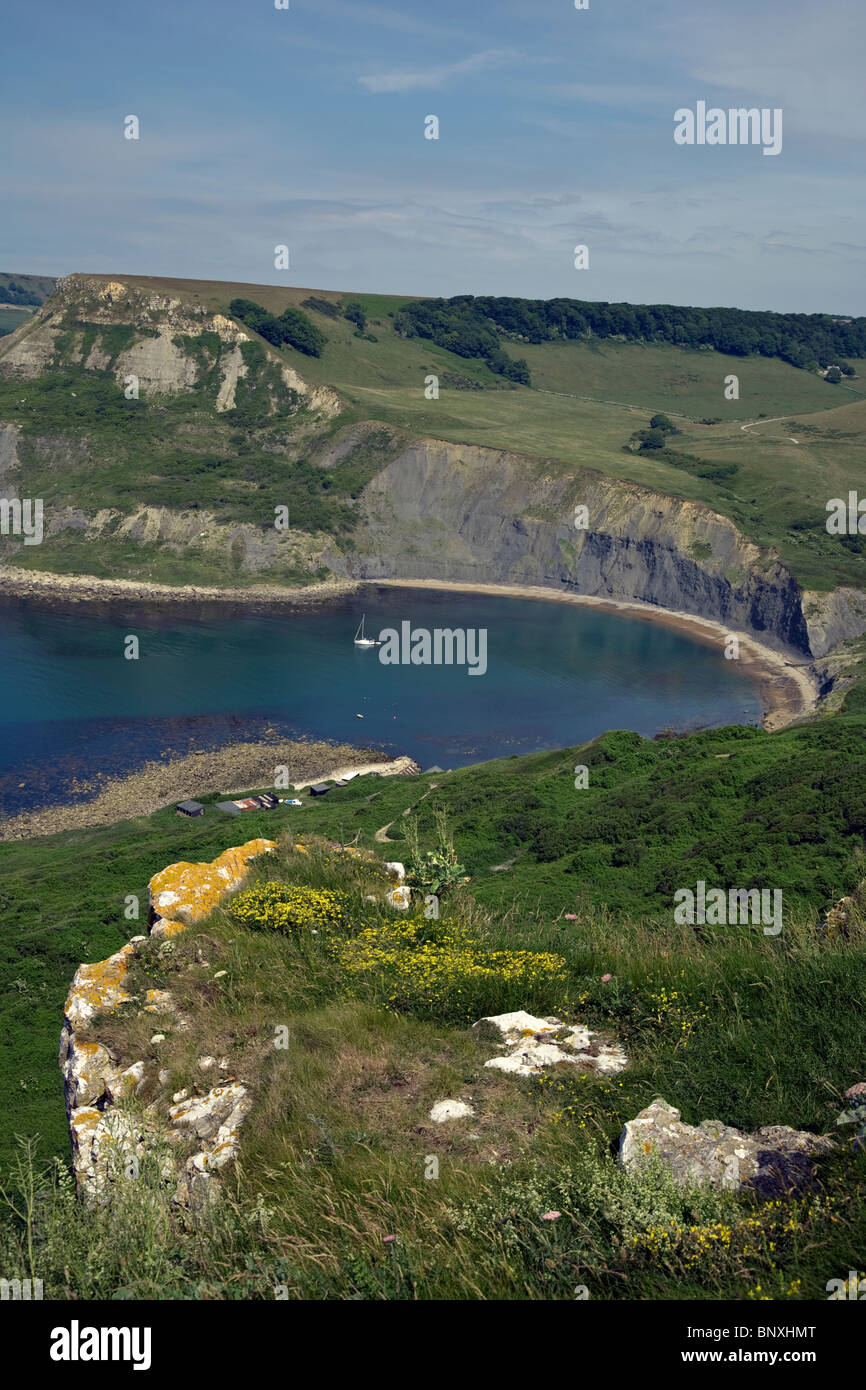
(184, 893)
(99, 986)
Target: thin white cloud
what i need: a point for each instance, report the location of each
(433, 78)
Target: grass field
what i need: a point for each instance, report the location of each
(10, 319)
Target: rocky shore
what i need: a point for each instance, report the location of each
(235, 768)
(87, 588)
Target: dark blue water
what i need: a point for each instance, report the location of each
(72, 708)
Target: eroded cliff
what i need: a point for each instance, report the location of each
(464, 513)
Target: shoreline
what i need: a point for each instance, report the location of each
(788, 690)
(231, 770)
(88, 588)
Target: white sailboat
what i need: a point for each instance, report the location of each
(360, 639)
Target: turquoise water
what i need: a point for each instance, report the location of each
(71, 706)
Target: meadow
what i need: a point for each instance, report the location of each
(346, 1190)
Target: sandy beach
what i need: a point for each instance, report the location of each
(788, 689)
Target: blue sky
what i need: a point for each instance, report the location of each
(306, 127)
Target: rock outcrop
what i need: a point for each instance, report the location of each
(531, 1044)
(157, 348)
(112, 1137)
(774, 1160)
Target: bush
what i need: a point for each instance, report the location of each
(354, 312)
(661, 422)
(287, 908)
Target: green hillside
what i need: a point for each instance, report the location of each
(25, 290)
(587, 401)
(723, 1022)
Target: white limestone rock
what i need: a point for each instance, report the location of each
(445, 1110)
(204, 1115)
(399, 898)
(772, 1161)
(531, 1044)
(87, 1068)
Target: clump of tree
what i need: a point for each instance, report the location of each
(662, 423)
(321, 306)
(650, 439)
(291, 326)
(457, 325)
(354, 312)
(476, 327)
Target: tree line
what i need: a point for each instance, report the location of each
(475, 327)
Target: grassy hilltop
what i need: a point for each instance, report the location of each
(82, 444)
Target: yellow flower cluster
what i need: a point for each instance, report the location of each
(444, 971)
(672, 1011)
(287, 907)
(764, 1237)
(691, 1244)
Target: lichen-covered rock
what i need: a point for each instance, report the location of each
(531, 1044)
(203, 1115)
(185, 893)
(399, 897)
(87, 1068)
(98, 988)
(110, 1139)
(111, 1145)
(124, 1084)
(773, 1160)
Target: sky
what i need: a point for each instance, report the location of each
(305, 127)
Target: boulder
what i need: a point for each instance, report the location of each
(450, 1110)
(773, 1161)
(204, 1115)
